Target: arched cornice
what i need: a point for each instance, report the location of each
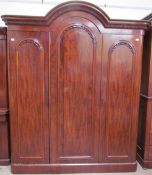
(74, 6)
(149, 19)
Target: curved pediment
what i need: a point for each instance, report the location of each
(149, 19)
(74, 6)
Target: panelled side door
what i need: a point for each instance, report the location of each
(28, 92)
(122, 57)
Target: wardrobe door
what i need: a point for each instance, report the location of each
(122, 55)
(74, 89)
(28, 93)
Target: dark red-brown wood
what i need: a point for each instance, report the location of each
(144, 147)
(74, 83)
(4, 136)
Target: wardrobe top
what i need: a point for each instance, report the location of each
(75, 6)
(149, 18)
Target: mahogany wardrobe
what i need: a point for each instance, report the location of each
(74, 84)
(144, 147)
(4, 137)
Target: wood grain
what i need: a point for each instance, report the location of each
(4, 126)
(74, 83)
(31, 77)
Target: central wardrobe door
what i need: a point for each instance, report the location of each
(75, 65)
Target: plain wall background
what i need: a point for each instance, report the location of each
(115, 9)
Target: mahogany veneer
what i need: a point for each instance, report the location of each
(4, 137)
(144, 148)
(74, 84)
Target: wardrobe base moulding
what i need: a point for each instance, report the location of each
(74, 168)
(145, 164)
(4, 162)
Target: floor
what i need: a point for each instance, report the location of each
(5, 170)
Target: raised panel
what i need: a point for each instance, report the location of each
(119, 100)
(29, 120)
(30, 83)
(76, 93)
